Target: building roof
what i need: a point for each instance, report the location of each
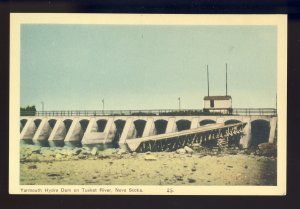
(217, 97)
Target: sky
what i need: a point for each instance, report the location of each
(74, 67)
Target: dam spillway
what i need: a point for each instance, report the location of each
(116, 131)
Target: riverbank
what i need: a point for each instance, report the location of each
(197, 166)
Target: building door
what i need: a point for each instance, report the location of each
(212, 103)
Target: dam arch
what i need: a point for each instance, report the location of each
(260, 131)
(101, 124)
(119, 124)
(183, 125)
(232, 121)
(84, 124)
(67, 124)
(206, 122)
(139, 126)
(22, 124)
(160, 126)
(52, 123)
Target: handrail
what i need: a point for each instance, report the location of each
(155, 112)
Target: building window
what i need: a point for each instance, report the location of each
(212, 103)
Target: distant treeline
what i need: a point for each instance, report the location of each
(28, 111)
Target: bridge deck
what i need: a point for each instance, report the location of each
(159, 112)
(173, 141)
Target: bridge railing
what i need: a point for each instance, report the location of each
(159, 112)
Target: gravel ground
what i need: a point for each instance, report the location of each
(161, 168)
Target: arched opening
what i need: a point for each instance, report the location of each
(22, 124)
(119, 129)
(260, 130)
(37, 123)
(229, 122)
(139, 127)
(67, 124)
(160, 126)
(52, 123)
(101, 124)
(183, 125)
(84, 124)
(206, 122)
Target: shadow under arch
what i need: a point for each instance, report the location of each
(120, 124)
(101, 124)
(52, 123)
(22, 124)
(232, 121)
(139, 127)
(37, 123)
(206, 122)
(260, 131)
(84, 124)
(160, 126)
(67, 123)
(183, 125)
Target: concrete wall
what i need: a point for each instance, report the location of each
(59, 136)
(218, 104)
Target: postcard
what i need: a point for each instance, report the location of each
(147, 104)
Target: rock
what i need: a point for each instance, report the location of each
(242, 152)
(134, 154)
(59, 156)
(85, 148)
(181, 151)
(267, 149)
(94, 151)
(194, 169)
(121, 152)
(32, 167)
(196, 145)
(108, 152)
(47, 153)
(33, 158)
(148, 153)
(90, 181)
(76, 151)
(31, 149)
(263, 146)
(53, 174)
(85, 152)
(188, 149)
(68, 152)
(246, 166)
(82, 156)
(191, 180)
(178, 177)
(150, 158)
(37, 150)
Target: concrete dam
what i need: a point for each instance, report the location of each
(143, 133)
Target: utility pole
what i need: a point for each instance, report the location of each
(42, 106)
(179, 103)
(207, 80)
(103, 106)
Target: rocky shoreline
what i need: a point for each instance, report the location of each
(193, 165)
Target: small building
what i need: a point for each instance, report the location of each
(218, 104)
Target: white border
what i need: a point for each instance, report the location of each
(16, 19)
